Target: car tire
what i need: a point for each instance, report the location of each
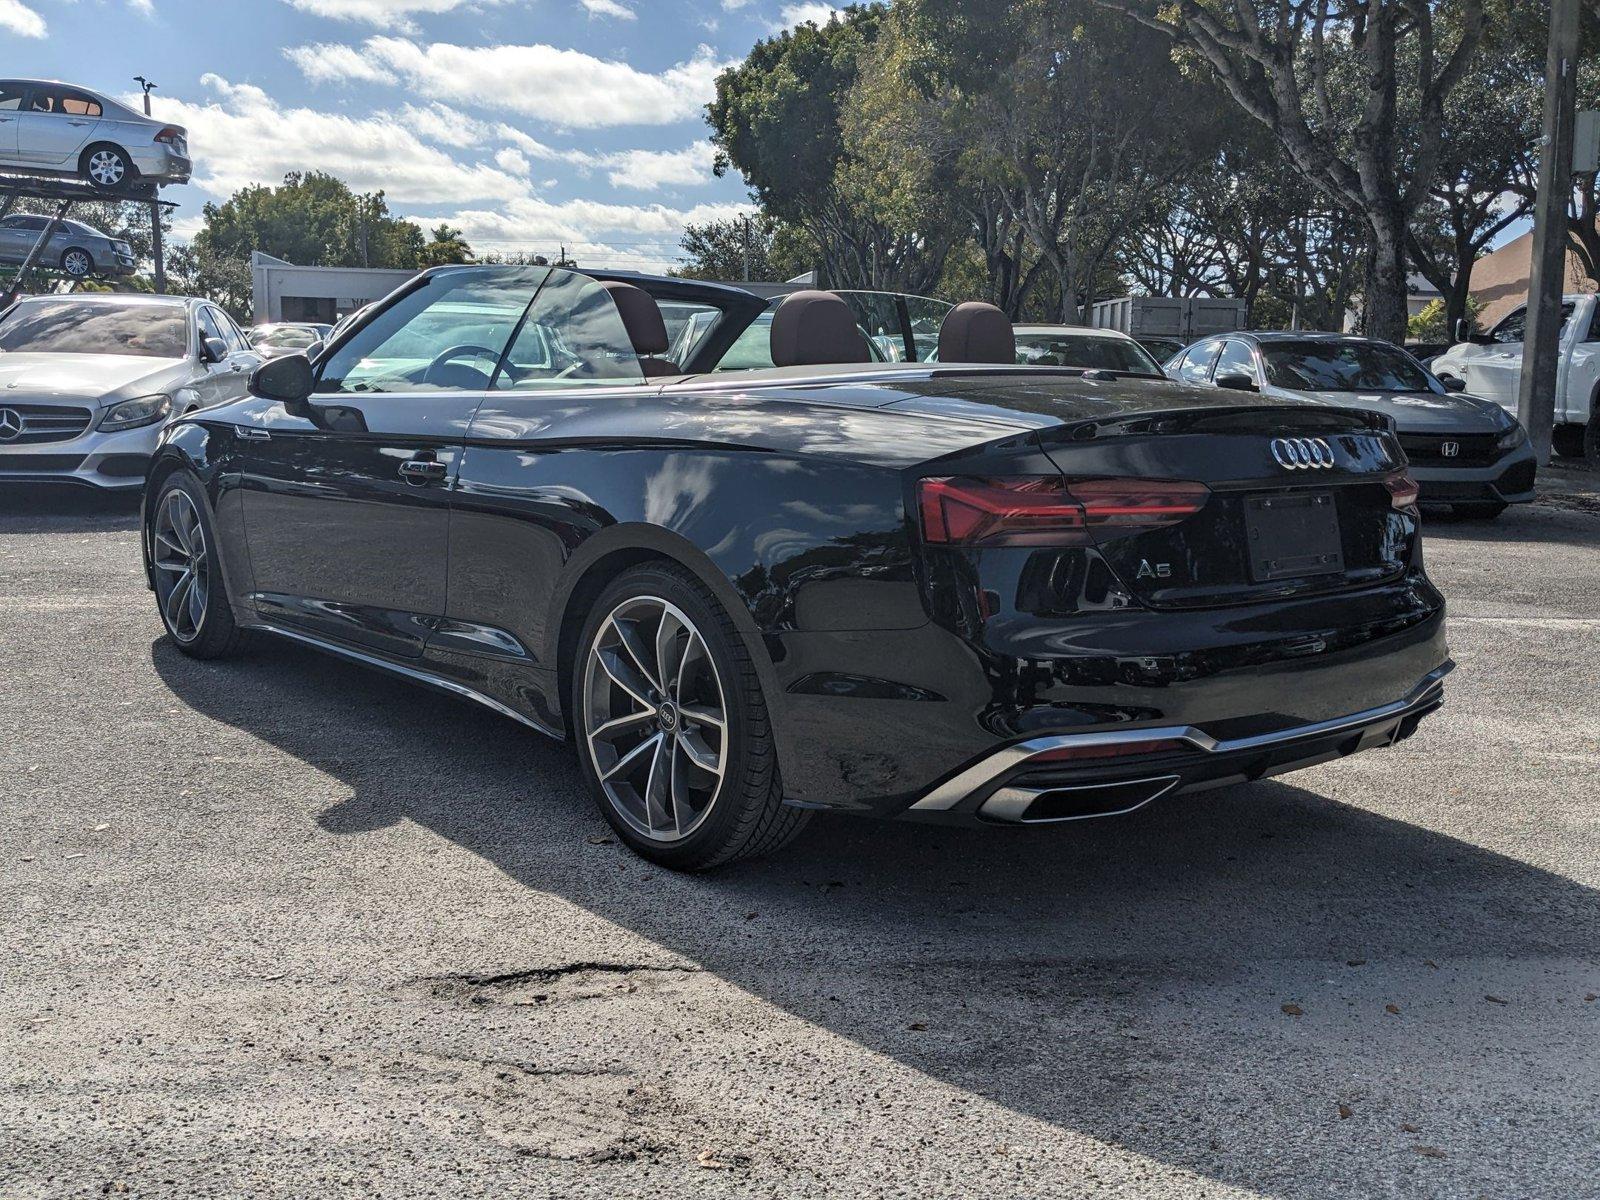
(107, 168)
(1567, 440)
(1479, 510)
(183, 546)
(673, 734)
(77, 262)
(1591, 441)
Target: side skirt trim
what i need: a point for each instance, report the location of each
(412, 673)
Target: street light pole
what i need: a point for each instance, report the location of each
(1536, 394)
(157, 251)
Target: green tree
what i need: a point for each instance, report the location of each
(1356, 94)
(776, 120)
(313, 220)
(774, 250)
(445, 245)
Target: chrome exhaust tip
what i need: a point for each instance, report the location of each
(1078, 802)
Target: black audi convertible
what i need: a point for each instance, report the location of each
(956, 590)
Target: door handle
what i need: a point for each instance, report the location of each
(422, 471)
(77, 122)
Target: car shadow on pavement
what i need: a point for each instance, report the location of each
(1125, 980)
(49, 508)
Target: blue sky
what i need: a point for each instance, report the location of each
(527, 123)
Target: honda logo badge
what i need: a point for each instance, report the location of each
(1449, 449)
(1302, 454)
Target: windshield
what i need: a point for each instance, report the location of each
(1091, 351)
(291, 336)
(82, 327)
(1343, 367)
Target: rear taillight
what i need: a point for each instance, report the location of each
(1403, 490)
(170, 135)
(1038, 510)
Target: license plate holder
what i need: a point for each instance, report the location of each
(1293, 536)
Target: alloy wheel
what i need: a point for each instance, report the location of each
(183, 568)
(655, 718)
(107, 168)
(76, 262)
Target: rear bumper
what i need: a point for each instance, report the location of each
(1018, 786)
(159, 163)
(875, 723)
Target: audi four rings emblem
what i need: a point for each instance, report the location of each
(1296, 454)
(10, 424)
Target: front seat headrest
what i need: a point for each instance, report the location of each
(974, 332)
(641, 317)
(816, 327)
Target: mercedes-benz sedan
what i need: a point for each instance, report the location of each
(958, 591)
(87, 382)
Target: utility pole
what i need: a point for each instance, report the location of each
(1536, 396)
(747, 247)
(157, 251)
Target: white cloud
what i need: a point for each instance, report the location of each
(244, 137)
(641, 237)
(445, 125)
(568, 88)
(813, 11)
(514, 161)
(608, 8)
(734, 5)
(329, 62)
(648, 170)
(385, 14)
(18, 18)
(145, 8)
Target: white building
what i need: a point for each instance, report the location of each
(282, 291)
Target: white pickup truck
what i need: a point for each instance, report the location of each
(1491, 366)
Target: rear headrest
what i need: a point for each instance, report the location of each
(640, 316)
(973, 332)
(816, 327)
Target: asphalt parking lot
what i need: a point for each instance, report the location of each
(283, 927)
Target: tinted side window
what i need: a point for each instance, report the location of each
(11, 96)
(573, 335)
(448, 334)
(1512, 328)
(1196, 365)
(76, 104)
(229, 331)
(1237, 359)
(1594, 325)
(208, 324)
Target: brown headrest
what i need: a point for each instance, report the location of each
(640, 316)
(816, 327)
(973, 332)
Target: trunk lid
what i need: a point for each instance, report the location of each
(1298, 501)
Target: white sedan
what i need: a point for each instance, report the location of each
(87, 382)
(61, 129)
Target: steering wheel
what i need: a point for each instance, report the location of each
(461, 351)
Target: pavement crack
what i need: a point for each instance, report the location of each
(565, 970)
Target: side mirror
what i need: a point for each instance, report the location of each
(313, 350)
(213, 350)
(1452, 384)
(288, 379)
(1236, 382)
(1463, 330)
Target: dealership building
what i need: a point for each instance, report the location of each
(282, 291)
